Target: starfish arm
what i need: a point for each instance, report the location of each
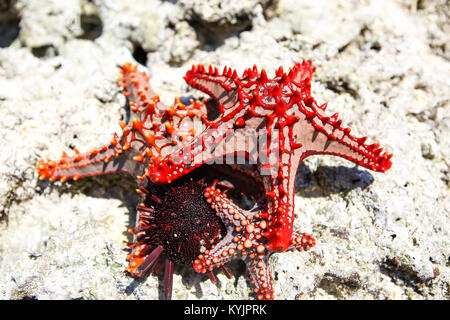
(236, 221)
(260, 277)
(137, 89)
(280, 213)
(143, 131)
(221, 87)
(217, 256)
(301, 73)
(117, 155)
(154, 129)
(259, 271)
(301, 241)
(331, 139)
(104, 160)
(318, 133)
(243, 229)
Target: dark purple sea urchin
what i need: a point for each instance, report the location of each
(176, 224)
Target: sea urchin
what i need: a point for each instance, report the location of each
(175, 225)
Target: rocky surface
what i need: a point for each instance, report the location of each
(383, 65)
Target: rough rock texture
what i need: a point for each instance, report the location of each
(383, 65)
(223, 16)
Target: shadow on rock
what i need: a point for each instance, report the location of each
(327, 180)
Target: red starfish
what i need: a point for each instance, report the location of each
(295, 126)
(244, 239)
